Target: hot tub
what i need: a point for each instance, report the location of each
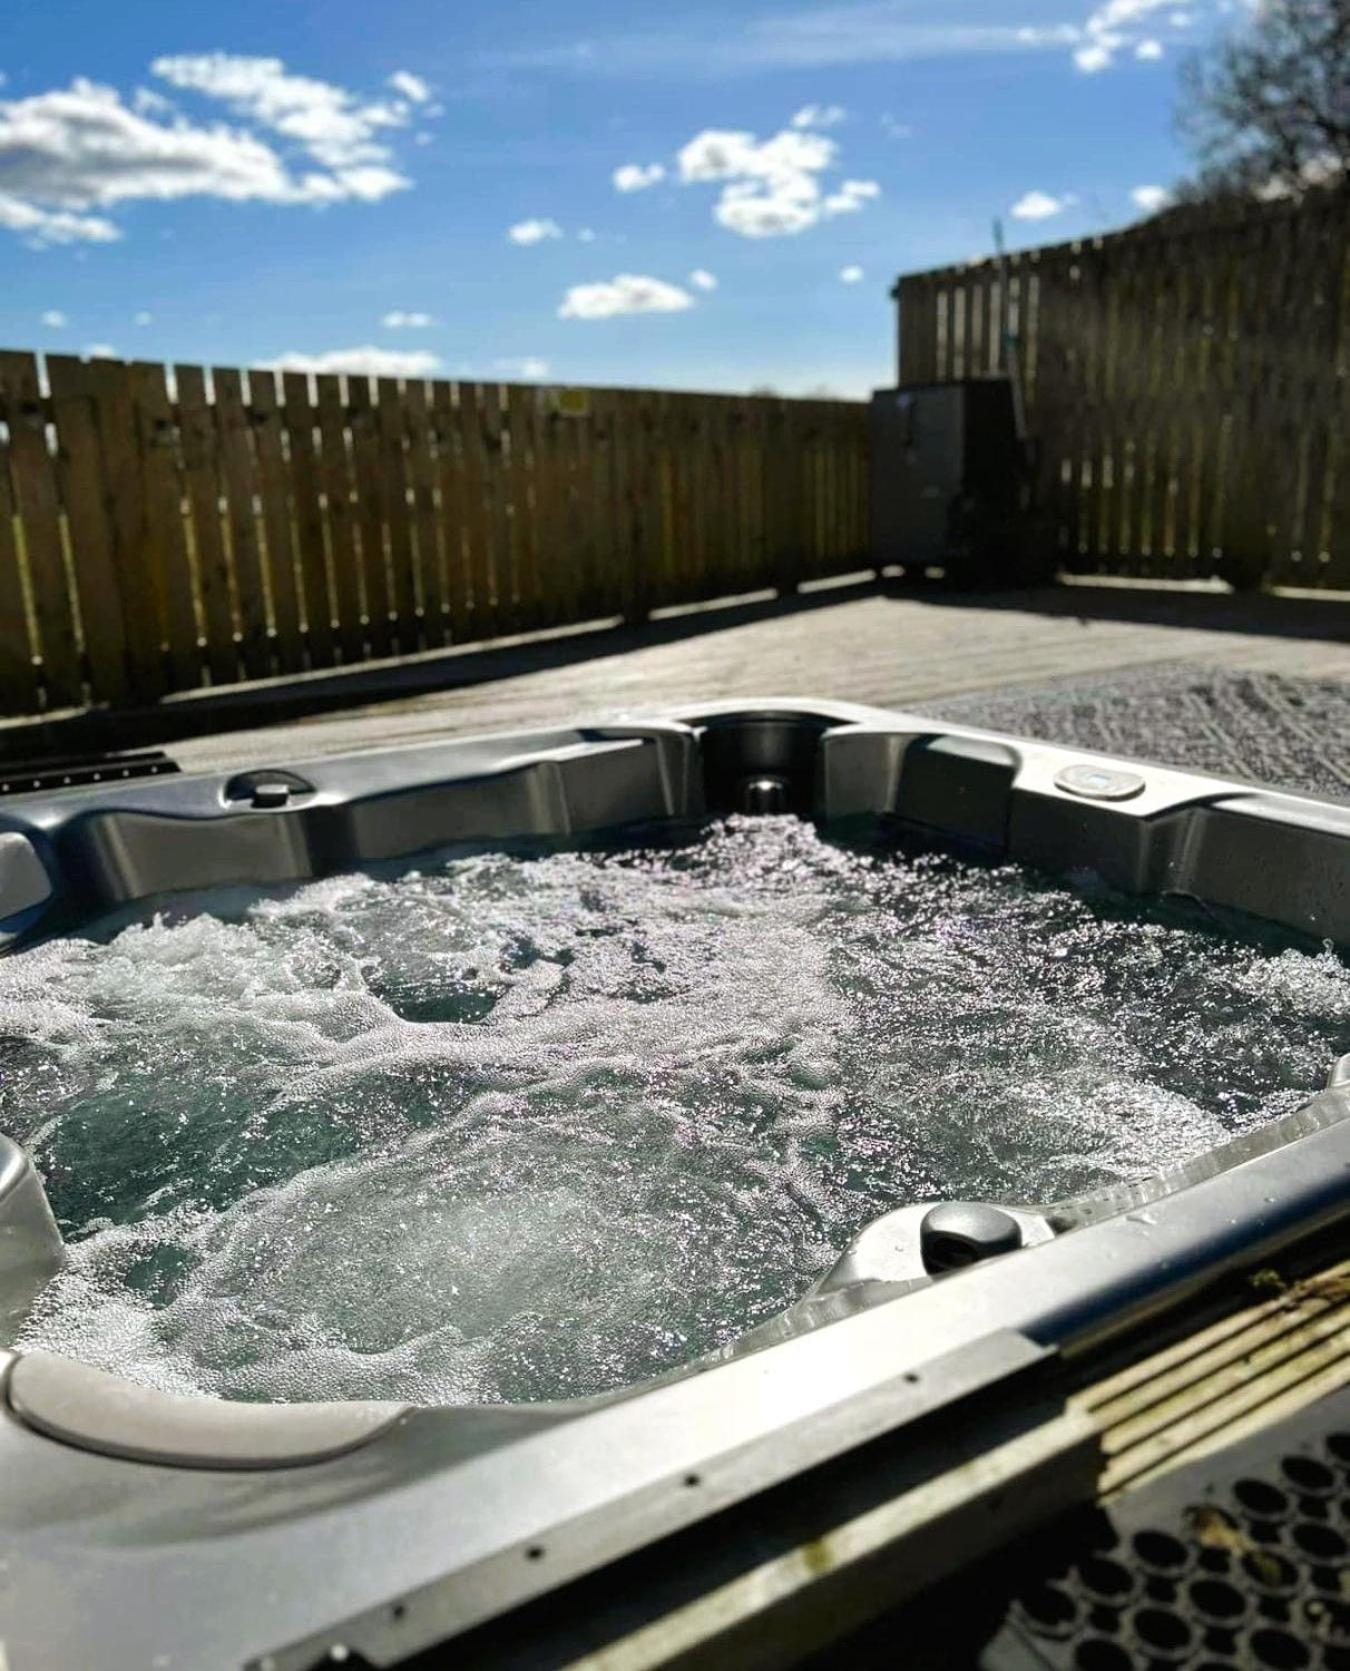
(398, 1525)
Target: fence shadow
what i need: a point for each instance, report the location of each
(1259, 614)
(246, 707)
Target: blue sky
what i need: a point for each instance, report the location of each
(285, 181)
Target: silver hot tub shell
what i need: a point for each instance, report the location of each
(271, 1532)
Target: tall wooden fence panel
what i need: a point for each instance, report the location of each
(167, 529)
(1187, 387)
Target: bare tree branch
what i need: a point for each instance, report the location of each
(1269, 109)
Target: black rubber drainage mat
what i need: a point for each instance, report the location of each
(1240, 1560)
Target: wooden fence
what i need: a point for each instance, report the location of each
(1188, 387)
(164, 531)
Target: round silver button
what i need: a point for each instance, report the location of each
(1099, 783)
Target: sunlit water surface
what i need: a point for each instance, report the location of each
(531, 1124)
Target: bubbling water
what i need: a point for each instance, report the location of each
(523, 1125)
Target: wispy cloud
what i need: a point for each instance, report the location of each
(55, 320)
(1150, 198)
(400, 320)
(702, 279)
(825, 37)
(626, 293)
(851, 274)
(143, 317)
(819, 116)
(820, 37)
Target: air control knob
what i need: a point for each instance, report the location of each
(957, 1233)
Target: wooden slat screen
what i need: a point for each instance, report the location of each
(164, 531)
(1188, 386)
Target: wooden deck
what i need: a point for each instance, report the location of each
(899, 649)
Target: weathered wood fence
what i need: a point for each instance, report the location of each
(1188, 386)
(161, 532)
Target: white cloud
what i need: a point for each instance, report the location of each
(585, 236)
(339, 130)
(363, 362)
(54, 319)
(721, 154)
(527, 366)
(627, 293)
(1111, 28)
(40, 227)
(851, 195)
(144, 318)
(410, 86)
(1149, 50)
(896, 130)
(635, 176)
(533, 231)
(702, 279)
(78, 148)
(771, 188)
(399, 320)
(851, 275)
(1039, 205)
(146, 102)
(1150, 198)
(100, 351)
(816, 37)
(819, 116)
(765, 213)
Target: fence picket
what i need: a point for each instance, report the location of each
(33, 474)
(421, 482)
(240, 483)
(201, 472)
(20, 686)
(84, 494)
(370, 527)
(115, 420)
(266, 421)
(166, 544)
(307, 519)
(480, 521)
(349, 592)
(394, 504)
(451, 479)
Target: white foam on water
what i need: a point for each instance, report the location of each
(521, 1126)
